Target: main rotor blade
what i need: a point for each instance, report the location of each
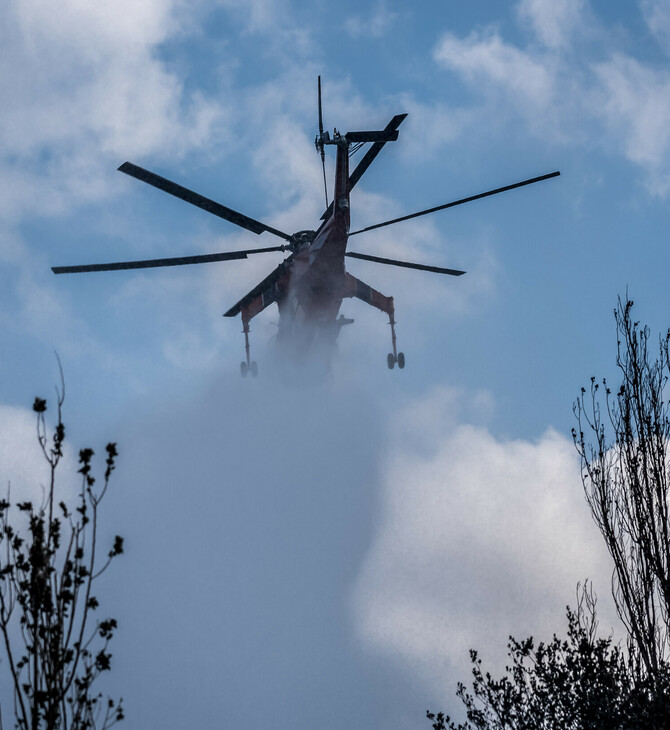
(199, 200)
(406, 264)
(155, 263)
(367, 159)
(459, 202)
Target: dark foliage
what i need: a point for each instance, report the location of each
(576, 683)
(48, 565)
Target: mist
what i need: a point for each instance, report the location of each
(246, 510)
(322, 552)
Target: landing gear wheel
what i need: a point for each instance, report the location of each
(390, 360)
(401, 360)
(254, 369)
(244, 369)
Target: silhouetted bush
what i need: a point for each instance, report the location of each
(54, 649)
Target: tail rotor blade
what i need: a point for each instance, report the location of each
(376, 136)
(320, 145)
(320, 111)
(374, 151)
(367, 160)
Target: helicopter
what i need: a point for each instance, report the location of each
(309, 285)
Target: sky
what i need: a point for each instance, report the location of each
(301, 553)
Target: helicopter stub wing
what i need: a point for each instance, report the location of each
(354, 287)
(369, 156)
(265, 293)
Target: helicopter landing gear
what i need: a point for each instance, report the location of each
(394, 357)
(252, 368)
(247, 366)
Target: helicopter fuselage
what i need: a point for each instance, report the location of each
(316, 283)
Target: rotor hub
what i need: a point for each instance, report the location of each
(301, 240)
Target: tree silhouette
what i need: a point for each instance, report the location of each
(584, 681)
(626, 482)
(48, 566)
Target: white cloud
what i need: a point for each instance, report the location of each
(81, 83)
(634, 102)
(656, 14)
(286, 37)
(374, 26)
(595, 95)
(83, 87)
(485, 56)
(553, 21)
(259, 15)
(468, 523)
(427, 127)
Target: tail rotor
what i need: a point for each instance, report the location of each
(320, 143)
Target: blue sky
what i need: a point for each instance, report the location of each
(331, 553)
